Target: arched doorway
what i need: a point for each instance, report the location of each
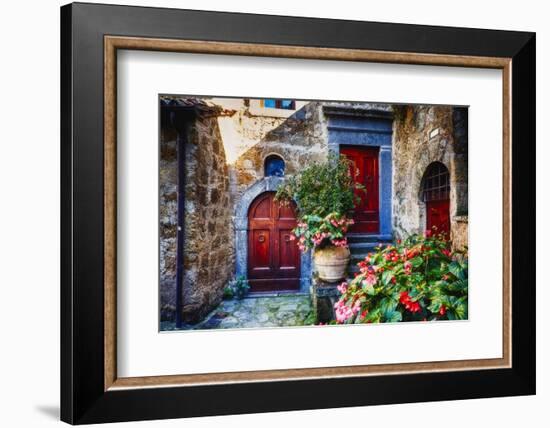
(273, 256)
(435, 194)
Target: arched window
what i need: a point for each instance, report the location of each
(436, 183)
(436, 187)
(274, 166)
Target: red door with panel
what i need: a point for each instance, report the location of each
(365, 170)
(436, 188)
(273, 257)
(438, 216)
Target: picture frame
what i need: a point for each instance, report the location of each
(91, 391)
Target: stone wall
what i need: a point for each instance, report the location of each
(168, 211)
(208, 243)
(422, 135)
(208, 256)
(300, 140)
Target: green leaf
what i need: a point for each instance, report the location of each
(459, 286)
(416, 261)
(461, 311)
(392, 316)
(435, 305)
(387, 304)
(457, 270)
(370, 290)
(387, 276)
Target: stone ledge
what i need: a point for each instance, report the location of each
(461, 218)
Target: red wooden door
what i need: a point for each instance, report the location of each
(273, 257)
(365, 162)
(436, 188)
(438, 216)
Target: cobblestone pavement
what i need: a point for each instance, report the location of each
(256, 312)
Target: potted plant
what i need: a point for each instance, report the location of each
(325, 193)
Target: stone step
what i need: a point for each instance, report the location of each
(356, 258)
(360, 245)
(363, 246)
(364, 237)
(362, 250)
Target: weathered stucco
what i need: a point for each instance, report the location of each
(299, 139)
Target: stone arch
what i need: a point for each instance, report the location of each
(458, 199)
(417, 175)
(266, 184)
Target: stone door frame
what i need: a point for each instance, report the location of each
(266, 184)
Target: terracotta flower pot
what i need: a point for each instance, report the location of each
(331, 262)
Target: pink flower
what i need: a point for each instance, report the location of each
(370, 279)
(340, 242)
(342, 288)
(342, 312)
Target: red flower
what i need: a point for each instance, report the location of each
(414, 307)
(406, 301)
(442, 310)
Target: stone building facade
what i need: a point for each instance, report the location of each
(424, 135)
(218, 150)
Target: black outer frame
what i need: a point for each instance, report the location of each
(83, 399)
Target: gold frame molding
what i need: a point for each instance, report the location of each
(113, 43)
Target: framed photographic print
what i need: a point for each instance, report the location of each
(265, 213)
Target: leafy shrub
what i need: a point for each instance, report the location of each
(228, 292)
(241, 287)
(322, 189)
(419, 279)
(238, 288)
